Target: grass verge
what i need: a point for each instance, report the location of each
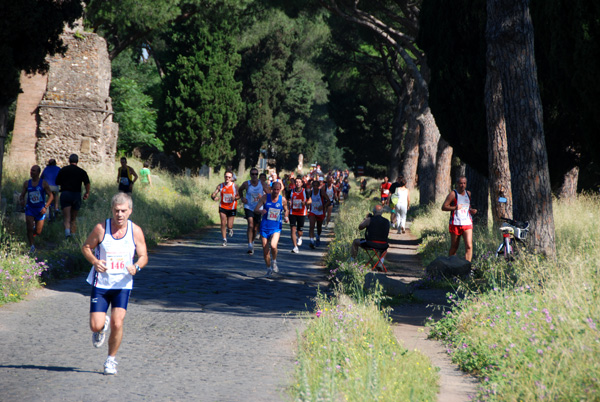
(529, 328)
(348, 351)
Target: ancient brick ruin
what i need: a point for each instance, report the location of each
(68, 110)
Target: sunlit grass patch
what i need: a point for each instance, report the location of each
(174, 205)
(348, 352)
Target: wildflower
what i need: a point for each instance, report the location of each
(319, 313)
(591, 323)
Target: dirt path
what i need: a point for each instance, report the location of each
(403, 264)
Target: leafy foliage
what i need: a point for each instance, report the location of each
(137, 120)
(202, 97)
(30, 31)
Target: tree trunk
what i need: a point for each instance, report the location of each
(568, 189)
(241, 167)
(478, 185)
(498, 165)
(430, 135)
(395, 152)
(410, 156)
(443, 180)
(3, 133)
(510, 34)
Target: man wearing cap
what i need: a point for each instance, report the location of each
(70, 178)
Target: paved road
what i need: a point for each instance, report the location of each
(203, 324)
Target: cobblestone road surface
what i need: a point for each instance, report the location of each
(203, 324)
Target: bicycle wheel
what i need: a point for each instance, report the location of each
(507, 249)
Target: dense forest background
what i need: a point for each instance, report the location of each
(217, 82)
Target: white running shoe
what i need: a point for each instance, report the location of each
(224, 242)
(295, 250)
(110, 366)
(299, 242)
(250, 249)
(99, 337)
(269, 272)
(231, 232)
(274, 267)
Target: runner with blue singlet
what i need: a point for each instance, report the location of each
(274, 210)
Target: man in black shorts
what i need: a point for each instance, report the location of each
(70, 178)
(377, 231)
(251, 192)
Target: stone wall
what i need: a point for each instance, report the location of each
(75, 113)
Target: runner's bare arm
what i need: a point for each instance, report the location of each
(449, 199)
(90, 244)
(134, 174)
(22, 196)
(473, 211)
(242, 192)
(237, 191)
(286, 211)
(49, 193)
(214, 194)
(263, 201)
(140, 250)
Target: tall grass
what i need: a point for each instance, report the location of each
(529, 328)
(172, 206)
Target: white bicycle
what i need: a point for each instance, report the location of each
(514, 236)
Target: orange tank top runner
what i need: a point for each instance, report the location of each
(228, 195)
(297, 198)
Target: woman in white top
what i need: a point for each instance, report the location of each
(402, 205)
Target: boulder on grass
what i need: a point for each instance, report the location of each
(449, 266)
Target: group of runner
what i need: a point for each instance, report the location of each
(270, 201)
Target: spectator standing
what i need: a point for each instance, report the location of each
(126, 176)
(145, 178)
(70, 179)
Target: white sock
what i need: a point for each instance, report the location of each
(111, 358)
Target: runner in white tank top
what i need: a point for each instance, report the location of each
(115, 242)
(458, 203)
(251, 192)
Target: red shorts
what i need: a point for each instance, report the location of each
(319, 218)
(459, 229)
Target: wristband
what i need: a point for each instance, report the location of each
(137, 268)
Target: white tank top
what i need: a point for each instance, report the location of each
(462, 216)
(402, 196)
(253, 195)
(330, 192)
(317, 201)
(118, 254)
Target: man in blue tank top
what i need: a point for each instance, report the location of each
(35, 204)
(274, 210)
